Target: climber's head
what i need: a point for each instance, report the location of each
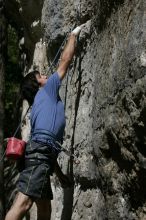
(31, 84)
(41, 79)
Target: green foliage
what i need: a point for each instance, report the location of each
(13, 72)
(12, 80)
(13, 51)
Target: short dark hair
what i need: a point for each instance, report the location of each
(29, 86)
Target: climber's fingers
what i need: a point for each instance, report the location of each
(78, 29)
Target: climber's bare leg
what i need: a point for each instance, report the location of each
(21, 205)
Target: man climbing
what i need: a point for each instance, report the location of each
(47, 127)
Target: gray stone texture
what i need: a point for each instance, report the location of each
(105, 101)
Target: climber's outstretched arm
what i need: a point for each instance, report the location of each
(68, 52)
(67, 56)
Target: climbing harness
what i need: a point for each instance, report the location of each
(15, 147)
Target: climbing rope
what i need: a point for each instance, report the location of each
(78, 14)
(50, 68)
(51, 65)
(78, 21)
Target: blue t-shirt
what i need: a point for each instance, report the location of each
(48, 110)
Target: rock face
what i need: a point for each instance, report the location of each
(105, 102)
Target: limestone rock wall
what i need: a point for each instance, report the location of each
(105, 102)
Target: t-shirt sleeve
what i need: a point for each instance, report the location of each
(52, 86)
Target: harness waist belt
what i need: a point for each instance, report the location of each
(41, 134)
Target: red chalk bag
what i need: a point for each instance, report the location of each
(15, 148)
